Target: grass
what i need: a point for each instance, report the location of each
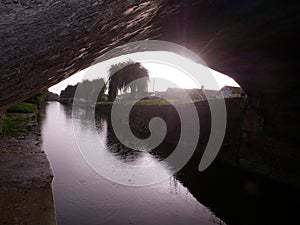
(154, 102)
(23, 107)
(104, 103)
(15, 121)
(151, 102)
(15, 125)
(141, 102)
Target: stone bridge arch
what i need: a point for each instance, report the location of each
(46, 41)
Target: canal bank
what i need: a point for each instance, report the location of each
(25, 174)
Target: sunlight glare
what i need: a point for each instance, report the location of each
(156, 70)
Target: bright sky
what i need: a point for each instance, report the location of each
(166, 69)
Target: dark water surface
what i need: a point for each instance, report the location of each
(219, 195)
(84, 197)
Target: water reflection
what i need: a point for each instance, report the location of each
(84, 197)
(120, 151)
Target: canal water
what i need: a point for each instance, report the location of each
(219, 195)
(84, 197)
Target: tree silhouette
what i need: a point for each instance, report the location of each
(123, 74)
(88, 89)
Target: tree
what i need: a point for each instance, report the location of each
(92, 88)
(123, 74)
(68, 92)
(86, 90)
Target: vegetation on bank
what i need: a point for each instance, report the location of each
(122, 76)
(86, 90)
(39, 99)
(16, 119)
(15, 125)
(164, 102)
(120, 80)
(23, 107)
(150, 102)
(141, 102)
(123, 90)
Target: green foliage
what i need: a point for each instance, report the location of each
(23, 107)
(154, 102)
(164, 102)
(15, 125)
(90, 89)
(123, 74)
(16, 119)
(39, 98)
(69, 92)
(141, 102)
(105, 103)
(52, 97)
(86, 89)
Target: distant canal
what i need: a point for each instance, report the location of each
(84, 197)
(219, 195)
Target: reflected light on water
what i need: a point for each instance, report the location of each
(83, 197)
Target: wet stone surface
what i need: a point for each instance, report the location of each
(19, 206)
(23, 164)
(25, 179)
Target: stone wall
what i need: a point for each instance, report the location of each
(244, 146)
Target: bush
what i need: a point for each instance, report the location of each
(23, 107)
